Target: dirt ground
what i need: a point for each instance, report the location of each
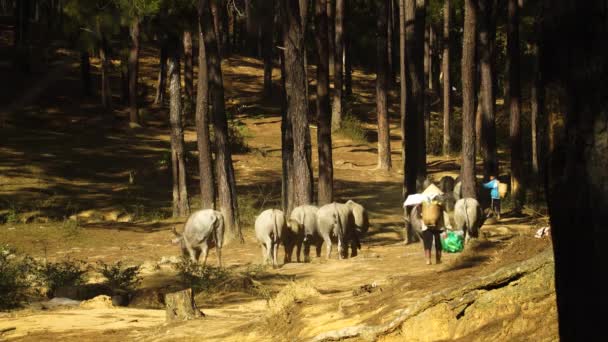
(63, 155)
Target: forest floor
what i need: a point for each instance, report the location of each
(63, 155)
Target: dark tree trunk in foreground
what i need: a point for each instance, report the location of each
(348, 62)
(205, 162)
(304, 22)
(178, 162)
(577, 188)
(384, 141)
(517, 191)
(326, 171)
(161, 85)
(226, 183)
(447, 85)
(297, 103)
(414, 121)
(331, 27)
(402, 90)
(468, 100)
(85, 72)
(106, 91)
(188, 68)
(267, 36)
(338, 98)
(389, 43)
(487, 139)
(134, 71)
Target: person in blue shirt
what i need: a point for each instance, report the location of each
(493, 186)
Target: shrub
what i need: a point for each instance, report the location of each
(199, 277)
(54, 275)
(13, 278)
(119, 276)
(352, 128)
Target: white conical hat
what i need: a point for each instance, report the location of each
(432, 191)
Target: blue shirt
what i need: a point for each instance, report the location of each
(493, 184)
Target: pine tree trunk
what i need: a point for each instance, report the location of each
(205, 162)
(188, 69)
(225, 30)
(331, 27)
(161, 85)
(389, 43)
(106, 91)
(384, 142)
(517, 191)
(287, 197)
(226, 183)
(216, 13)
(134, 71)
(447, 85)
(414, 120)
(577, 192)
(325, 194)
(304, 21)
(297, 104)
(488, 125)
(402, 91)
(468, 100)
(267, 36)
(427, 80)
(338, 100)
(124, 76)
(85, 72)
(348, 60)
(180, 193)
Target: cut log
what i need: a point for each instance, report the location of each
(180, 306)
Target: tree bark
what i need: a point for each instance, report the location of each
(517, 191)
(389, 44)
(287, 198)
(487, 99)
(338, 100)
(402, 91)
(447, 85)
(188, 68)
(415, 161)
(577, 191)
(85, 72)
(384, 141)
(325, 194)
(217, 11)
(106, 91)
(161, 84)
(180, 191)
(331, 26)
(267, 36)
(348, 60)
(180, 306)
(297, 103)
(427, 80)
(223, 157)
(468, 100)
(205, 161)
(134, 71)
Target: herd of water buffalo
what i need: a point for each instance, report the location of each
(341, 223)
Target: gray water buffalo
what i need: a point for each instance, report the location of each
(203, 230)
(335, 222)
(302, 229)
(361, 220)
(270, 226)
(468, 217)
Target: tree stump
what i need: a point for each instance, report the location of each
(180, 306)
